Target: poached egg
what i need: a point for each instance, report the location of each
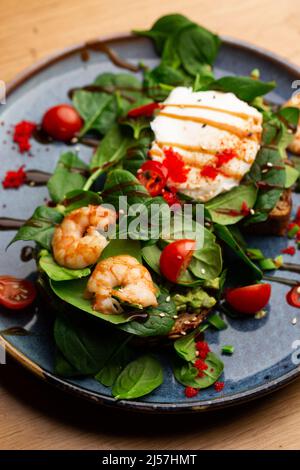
(200, 127)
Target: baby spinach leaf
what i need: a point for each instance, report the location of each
(162, 28)
(59, 273)
(197, 47)
(118, 360)
(85, 347)
(123, 183)
(70, 173)
(291, 176)
(126, 85)
(151, 255)
(63, 367)
(91, 107)
(139, 378)
(39, 227)
(267, 198)
(137, 154)
(73, 291)
(219, 206)
(80, 198)
(245, 88)
(206, 262)
(155, 325)
(186, 346)
(112, 148)
(224, 234)
(122, 247)
(136, 124)
(187, 374)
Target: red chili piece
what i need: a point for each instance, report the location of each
(147, 110)
(170, 196)
(209, 171)
(225, 156)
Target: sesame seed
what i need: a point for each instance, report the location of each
(74, 140)
(77, 148)
(186, 322)
(269, 164)
(168, 299)
(298, 290)
(294, 321)
(252, 211)
(290, 131)
(202, 271)
(207, 224)
(194, 318)
(162, 315)
(175, 316)
(265, 170)
(197, 353)
(32, 183)
(183, 333)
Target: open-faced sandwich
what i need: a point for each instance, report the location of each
(124, 291)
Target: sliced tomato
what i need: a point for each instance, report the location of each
(175, 258)
(249, 299)
(16, 293)
(293, 297)
(153, 175)
(62, 122)
(146, 110)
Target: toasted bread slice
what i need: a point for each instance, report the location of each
(187, 322)
(278, 219)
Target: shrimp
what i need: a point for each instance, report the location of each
(134, 282)
(77, 242)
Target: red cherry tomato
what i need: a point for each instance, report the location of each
(293, 297)
(62, 122)
(176, 257)
(249, 299)
(16, 293)
(147, 110)
(153, 175)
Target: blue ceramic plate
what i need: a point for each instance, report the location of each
(263, 359)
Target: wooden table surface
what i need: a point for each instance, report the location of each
(35, 416)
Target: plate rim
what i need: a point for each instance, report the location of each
(96, 397)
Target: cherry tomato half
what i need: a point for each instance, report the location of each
(62, 122)
(153, 175)
(176, 257)
(249, 299)
(16, 293)
(147, 110)
(293, 297)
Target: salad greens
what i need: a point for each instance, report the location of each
(108, 346)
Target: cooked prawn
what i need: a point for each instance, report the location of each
(133, 280)
(77, 242)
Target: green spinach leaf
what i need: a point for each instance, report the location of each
(40, 227)
(155, 324)
(186, 374)
(70, 173)
(139, 378)
(245, 88)
(220, 206)
(224, 234)
(59, 273)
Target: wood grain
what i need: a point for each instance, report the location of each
(35, 416)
